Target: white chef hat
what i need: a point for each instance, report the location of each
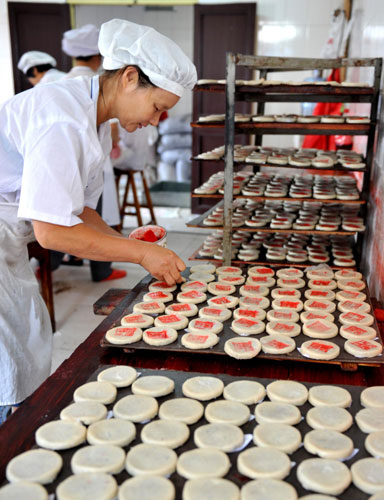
(81, 42)
(123, 43)
(34, 58)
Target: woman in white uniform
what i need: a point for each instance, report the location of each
(53, 143)
(39, 67)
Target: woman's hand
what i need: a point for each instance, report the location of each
(163, 264)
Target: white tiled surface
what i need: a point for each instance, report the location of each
(75, 293)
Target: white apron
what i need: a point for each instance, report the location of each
(25, 327)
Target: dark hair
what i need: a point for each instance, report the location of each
(41, 68)
(86, 58)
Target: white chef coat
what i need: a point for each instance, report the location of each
(51, 167)
(79, 71)
(52, 75)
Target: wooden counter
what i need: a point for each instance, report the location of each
(17, 433)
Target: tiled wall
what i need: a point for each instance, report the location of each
(177, 24)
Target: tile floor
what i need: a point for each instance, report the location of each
(75, 293)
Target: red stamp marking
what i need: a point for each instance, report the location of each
(288, 303)
(253, 300)
(319, 326)
(193, 294)
(223, 288)
(354, 284)
(364, 344)
(351, 295)
(277, 344)
(169, 318)
(195, 284)
(138, 318)
(287, 292)
(317, 346)
(316, 316)
(203, 325)
(290, 282)
(318, 305)
(199, 339)
(230, 270)
(247, 312)
(181, 307)
(157, 335)
(264, 270)
(318, 293)
(247, 323)
(355, 330)
(353, 316)
(157, 295)
(321, 282)
(211, 310)
(282, 315)
(221, 300)
(352, 305)
(150, 305)
(161, 284)
(125, 332)
(259, 279)
(243, 346)
(282, 327)
(231, 279)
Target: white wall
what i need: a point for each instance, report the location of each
(176, 24)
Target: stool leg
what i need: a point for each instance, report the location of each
(148, 198)
(136, 201)
(124, 203)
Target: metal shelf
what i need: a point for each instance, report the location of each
(289, 198)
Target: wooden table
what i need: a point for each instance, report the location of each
(17, 433)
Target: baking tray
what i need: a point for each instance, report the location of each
(352, 493)
(345, 360)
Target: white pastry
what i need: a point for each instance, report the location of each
(350, 295)
(268, 489)
(278, 413)
(203, 388)
(319, 294)
(280, 293)
(283, 316)
(373, 397)
(119, 375)
(184, 410)
(277, 344)
(162, 286)
(175, 321)
(254, 291)
(348, 284)
(85, 412)
(324, 476)
(153, 385)
(202, 277)
(203, 462)
(322, 284)
(261, 280)
(203, 268)
(329, 417)
(329, 395)
(260, 302)
(325, 306)
(124, 335)
(283, 437)
(23, 489)
(245, 326)
(317, 273)
(169, 433)
(368, 475)
(327, 443)
(374, 444)
(191, 297)
(263, 462)
(354, 305)
(158, 296)
(225, 301)
(231, 279)
(150, 459)
(287, 304)
(244, 391)
(370, 419)
(114, 431)
(352, 318)
(320, 329)
(185, 309)
(253, 313)
(210, 488)
(224, 437)
(228, 412)
(201, 286)
(290, 282)
(348, 274)
(37, 466)
(289, 272)
(204, 340)
(137, 320)
(201, 325)
(98, 459)
(144, 488)
(136, 408)
(160, 335)
(240, 348)
(60, 435)
(97, 486)
(284, 328)
(313, 315)
(320, 349)
(154, 307)
(363, 348)
(229, 270)
(287, 391)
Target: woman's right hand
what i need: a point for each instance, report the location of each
(162, 263)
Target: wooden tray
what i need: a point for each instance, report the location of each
(179, 377)
(345, 360)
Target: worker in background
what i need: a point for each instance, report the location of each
(39, 67)
(54, 140)
(82, 45)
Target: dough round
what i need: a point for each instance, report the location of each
(283, 328)
(136, 408)
(289, 272)
(98, 459)
(240, 348)
(150, 460)
(169, 433)
(357, 319)
(184, 410)
(374, 444)
(370, 419)
(203, 268)
(287, 304)
(60, 435)
(277, 344)
(124, 335)
(320, 329)
(153, 385)
(159, 296)
(260, 302)
(119, 376)
(85, 412)
(363, 348)
(137, 320)
(329, 395)
(253, 313)
(216, 313)
(263, 462)
(199, 340)
(328, 443)
(160, 335)
(268, 489)
(350, 295)
(206, 277)
(314, 274)
(153, 307)
(23, 489)
(354, 305)
(203, 388)
(320, 349)
(203, 325)
(37, 466)
(325, 306)
(194, 285)
(101, 392)
(277, 413)
(217, 288)
(312, 315)
(231, 279)
(114, 431)
(348, 274)
(210, 488)
(245, 326)
(162, 286)
(283, 316)
(84, 486)
(280, 436)
(175, 321)
(287, 391)
(203, 462)
(261, 280)
(290, 283)
(147, 488)
(324, 475)
(280, 293)
(353, 332)
(322, 284)
(229, 270)
(185, 309)
(223, 300)
(224, 437)
(227, 412)
(329, 417)
(191, 297)
(368, 475)
(319, 294)
(254, 291)
(373, 397)
(247, 392)
(348, 284)
(260, 271)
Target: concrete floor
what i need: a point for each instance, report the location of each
(75, 293)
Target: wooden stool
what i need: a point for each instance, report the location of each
(136, 203)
